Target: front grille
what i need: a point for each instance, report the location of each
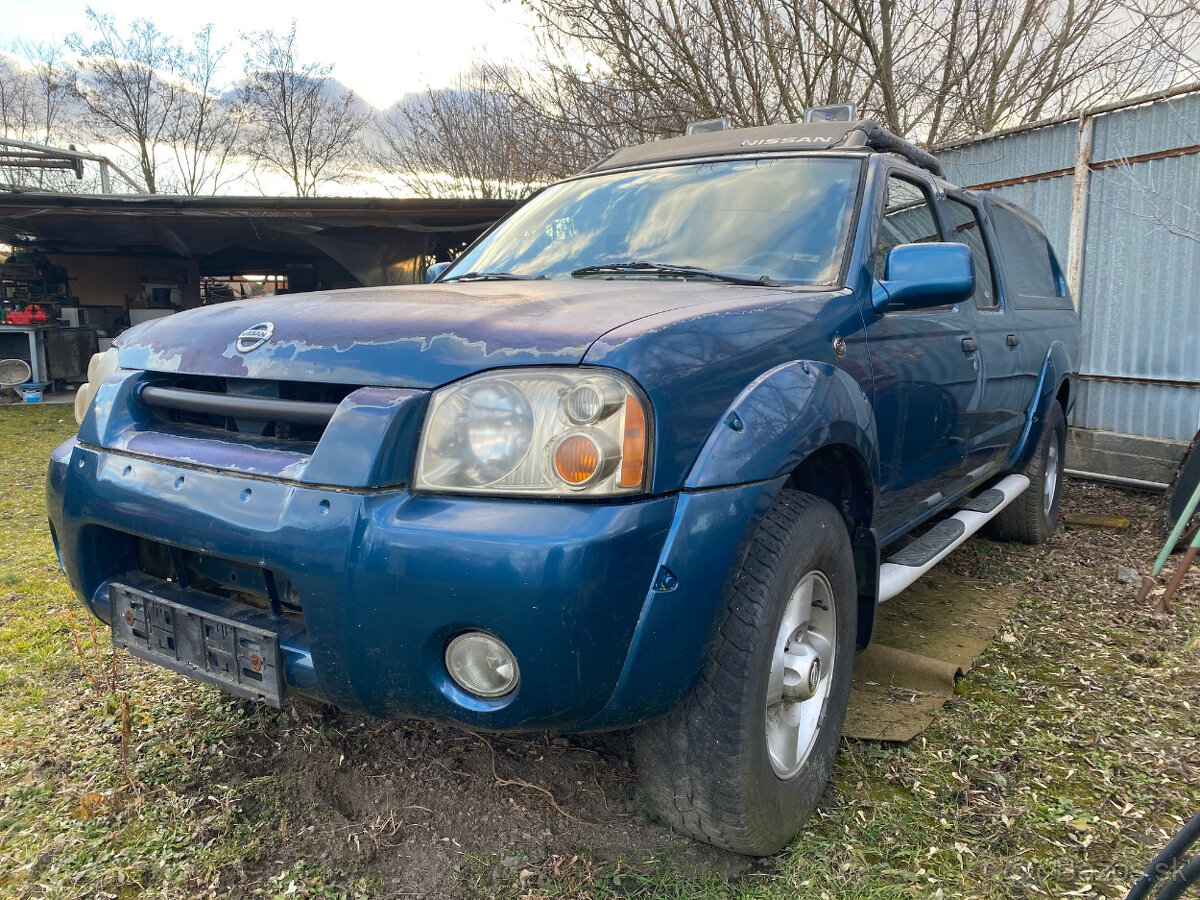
(251, 586)
(285, 410)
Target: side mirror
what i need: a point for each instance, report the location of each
(918, 276)
(434, 272)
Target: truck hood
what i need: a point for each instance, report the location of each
(417, 336)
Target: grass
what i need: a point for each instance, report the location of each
(75, 820)
(1068, 756)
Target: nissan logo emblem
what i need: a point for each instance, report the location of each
(255, 336)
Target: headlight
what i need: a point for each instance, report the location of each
(100, 367)
(544, 432)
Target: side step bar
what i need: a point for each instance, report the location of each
(903, 568)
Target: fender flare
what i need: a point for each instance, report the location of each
(783, 416)
(1056, 368)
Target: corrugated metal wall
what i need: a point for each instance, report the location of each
(1139, 220)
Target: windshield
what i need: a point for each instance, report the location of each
(778, 220)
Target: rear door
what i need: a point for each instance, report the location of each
(926, 371)
(1033, 287)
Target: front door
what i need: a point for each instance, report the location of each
(926, 373)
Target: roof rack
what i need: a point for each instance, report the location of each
(873, 135)
(866, 134)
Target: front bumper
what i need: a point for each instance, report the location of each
(609, 607)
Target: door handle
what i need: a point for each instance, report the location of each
(970, 345)
(1012, 340)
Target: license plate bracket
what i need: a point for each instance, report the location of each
(239, 658)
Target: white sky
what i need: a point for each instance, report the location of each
(381, 50)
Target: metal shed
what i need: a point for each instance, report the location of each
(1118, 190)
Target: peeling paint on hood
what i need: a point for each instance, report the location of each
(412, 335)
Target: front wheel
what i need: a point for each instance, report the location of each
(743, 761)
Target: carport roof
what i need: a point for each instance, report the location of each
(194, 227)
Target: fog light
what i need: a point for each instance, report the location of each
(482, 664)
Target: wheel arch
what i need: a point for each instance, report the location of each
(780, 419)
(1054, 385)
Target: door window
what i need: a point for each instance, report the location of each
(968, 230)
(1030, 267)
(907, 219)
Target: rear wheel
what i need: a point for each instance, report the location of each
(743, 761)
(1031, 518)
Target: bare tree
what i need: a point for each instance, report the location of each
(35, 86)
(18, 100)
(121, 83)
(573, 118)
(1031, 60)
(205, 128)
(927, 70)
(1181, 43)
(660, 63)
(463, 141)
(55, 86)
(35, 90)
(300, 121)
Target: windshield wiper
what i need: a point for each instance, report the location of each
(653, 268)
(493, 276)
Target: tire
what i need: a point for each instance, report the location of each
(1031, 518)
(722, 767)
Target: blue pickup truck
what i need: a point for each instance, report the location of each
(648, 454)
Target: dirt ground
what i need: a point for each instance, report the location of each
(432, 811)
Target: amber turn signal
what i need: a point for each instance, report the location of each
(577, 459)
(633, 444)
